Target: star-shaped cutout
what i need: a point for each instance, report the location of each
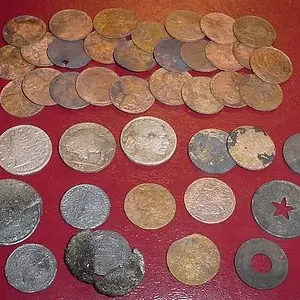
(282, 208)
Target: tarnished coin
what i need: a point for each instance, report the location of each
(131, 94)
(93, 85)
(15, 103)
(115, 22)
(71, 24)
(218, 27)
(166, 86)
(148, 141)
(271, 65)
(208, 151)
(167, 55)
(23, 30)
(254, 31)
(87, 147)
(291, 152)
(250, 147)
(242, 54)
(260, 95)
(24, 149)
(197, 96)
(85, 206)
(20, 211)
(193, 259)
(30, 268)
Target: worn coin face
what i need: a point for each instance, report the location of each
(291, 152)
(208, 151)
(242, 54)
(30, 268)
(148, 141)
(250, 147)
(71, 24)
(87, 147)
(24, 150)
(193, 259)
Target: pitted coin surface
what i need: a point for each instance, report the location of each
(242, 54)
(291, 152)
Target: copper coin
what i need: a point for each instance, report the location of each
(221, 56)
(131, 94)
(12, 64)
(254, 31)
(93, 85)
(197, 96)
(115, 22)
(63, 92)
(36, 86)
(148, 34)
(71, 24)
(271, 65)
(130, 57)
(150, 206)
(14, 102)
(166, 86)
(225, 88)
(209, 200)
(242, 54)
(184, 25)
(23, 30)
(251, 148)
(260, 95)
(193, 54)
(193, 259)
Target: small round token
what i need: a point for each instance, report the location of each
(291, 152)
(242, 54)
(251, 148)
(193, 259)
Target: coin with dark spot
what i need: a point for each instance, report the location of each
(291, 152)
(242, 54)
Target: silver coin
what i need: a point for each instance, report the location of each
(291, 152)
(85, 206)
(24, 149)
(31, 268)
(148, 141)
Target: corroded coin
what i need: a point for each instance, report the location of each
(87, 147)
(251, 148)
(242, 54)
(193, 259)
(166, 86)
(23, 30)
(71, 24)
(131, 94)
(271, 65)
(148, 141)
(197, 96)
(93, 85)
(115, 22)
(291, 152)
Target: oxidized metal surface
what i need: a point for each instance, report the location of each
(242, 54)
(291, 152)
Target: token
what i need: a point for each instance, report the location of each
(242, 54)
(291, 152)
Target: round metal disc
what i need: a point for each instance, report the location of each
(242, 54)
(291, 152)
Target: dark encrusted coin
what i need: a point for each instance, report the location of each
(291, 152)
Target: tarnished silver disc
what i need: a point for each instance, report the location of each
(291, 152)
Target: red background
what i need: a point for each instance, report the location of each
(175, 175)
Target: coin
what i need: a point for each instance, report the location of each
(15, 103)
(24, 150)
(242, 54)
(225, 88)
(115, 22)
(254, 31)
(23, 30)
(193, 259)
(148, 141)
(63, 91)
(31, 268)
(93, 85)
(131, 94)
(85, 206)
(193, 54)
(71, 24)
(218, 27)
(271, 65)
(167, 55)
(87, 147)
(291, 152)
(197, 96)
(20, 211)
(249, 275)
(207, 150)
(260, 95)
(166, 86)
(251, 148)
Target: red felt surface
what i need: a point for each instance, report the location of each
(175, 175)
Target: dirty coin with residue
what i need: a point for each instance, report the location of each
(242, 54)
(291, 152)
